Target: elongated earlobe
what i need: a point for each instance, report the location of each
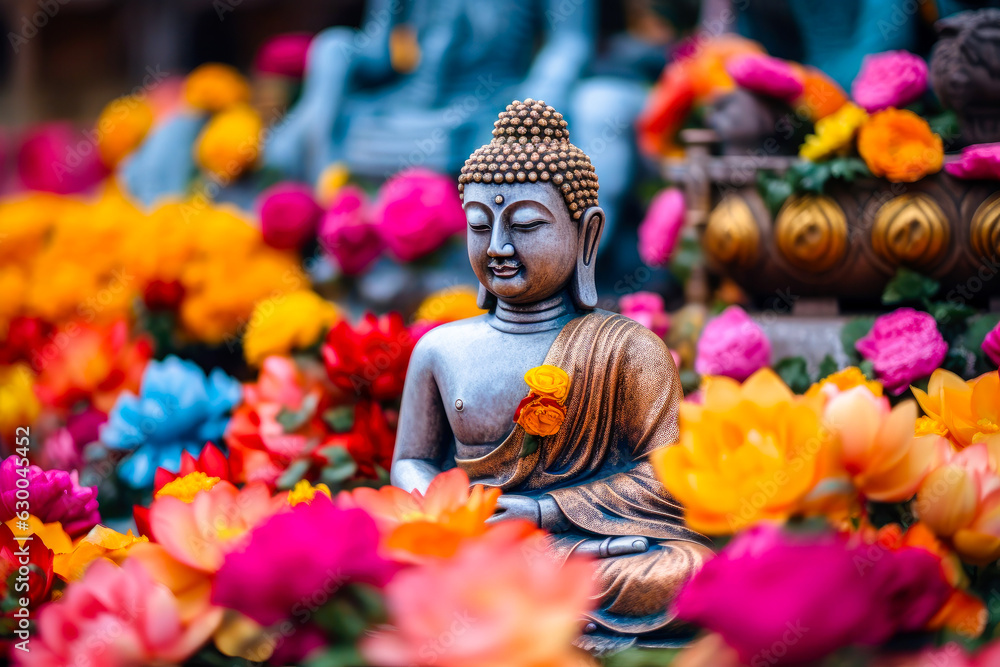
(485, 299)
(584, 286)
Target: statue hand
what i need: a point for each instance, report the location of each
(517, 507)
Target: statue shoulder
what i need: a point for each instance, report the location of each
(634, 338)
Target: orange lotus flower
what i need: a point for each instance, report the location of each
(900, 145)
(749, 453)
(416, 526)
(967, 412)
(842, 380)
(200, 533)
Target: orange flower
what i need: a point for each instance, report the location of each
(821, 96)
(899, 145)
(967, 412)
(548, 381)
(540, 415)
(842, 380)
(101, 543)
(121, 127)
(415, 526)
(230, 142)
(214, 87)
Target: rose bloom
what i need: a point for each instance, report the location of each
(213, 87)
(904, 345)
(661, 228)
(733, 345)
(230, 142)
(748, 453)
(965, 412)
(899, 145)
(288, 215)
(980, 161)
(346, 233)
(370, 359)
(646, 308)
(416, 212)
(889, 79)
(766, 75)
(834, 133)
(121, 127)
(548, 381)
(856, 600)
(991, 345)
(540, 415)
(284, 324)
(56, 495)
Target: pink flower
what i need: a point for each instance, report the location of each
(115, 617)
(284, 54)
(56, 157)
(347, 234)
(288, 215)
(904, 346)
(991, 345)
(417, 211)
(765, 75)
(733, 345)
(858, 599)
(979, 161)
(55, 495)
(889, 79)
(660, 229)
(646, 308)
(63, 450)
(324, 546)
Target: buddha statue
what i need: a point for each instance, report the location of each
(534, 224)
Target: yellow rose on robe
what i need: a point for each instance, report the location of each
(748, 453)
(834, 133)
(213, 87)
(18, 404)
(121, 127)
(548, 381)
(230, 143)
(292, 321)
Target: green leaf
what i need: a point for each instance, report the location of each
(868, 369)
(848, 168)
(293, 474)
(774, 190)
(950, 317)
(340, 465)
(293, 420)
(340, 419)
(795, 373)
(978, 329)
(337, 656)
(529, 445)
(909, 286)
(853, 331)
(827, 367)
(814, 179)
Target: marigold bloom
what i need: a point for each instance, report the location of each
(18, 404)
(834, 133)
(292, 321)
(101, 543)
(230, 142)
(967, 412)
(899, 145)
(121, 127)
(448, 305)
(213, 87)
(748, 453)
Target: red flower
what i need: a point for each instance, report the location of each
(39, 576)
(370, 360)
(25, 336)
(370, 441)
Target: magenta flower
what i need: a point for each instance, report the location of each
(979, 161)
(762, 591)
(284, 54)
(660, 229)
(904, 346)
(646, 308)
(889, 79)
(991, 345)
(322, 547)
(346, 233)
(732, 345)
(417, 211)
(288, 215)
(53, 495)
(63, 450)
(57, 157)
(765, 75)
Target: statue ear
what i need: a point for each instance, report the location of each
(485, 299)
(584, 286)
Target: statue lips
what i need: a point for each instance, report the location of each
(505, 268)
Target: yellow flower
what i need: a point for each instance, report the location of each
(25, 224)
(121, 127)
(969, 412)
(930, 426)
(833, 133)
(100, 543)
(304, 492)
(187, 487)
(214, 87)
(52, 534)
(19, 407)
(749, 453)
(288, 322)
(230, 143)
(843, 380)
(550, 381)
(449, 304)
(330, 180)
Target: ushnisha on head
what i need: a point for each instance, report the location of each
(530, 198)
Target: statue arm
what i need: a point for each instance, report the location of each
(568, 49)
(423, 435)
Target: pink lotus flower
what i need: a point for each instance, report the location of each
(980, 161)
(733, 345)
(660, 229)
(288, 215)
(56, 157)
(417, 211)
(765, 75)
(889, 79)
(324, 547)
(991, 345)
(646, 308)
(347, 234)
(114, 617)
(904, 346)
(284, 54)
(55, 495)
(857, 599)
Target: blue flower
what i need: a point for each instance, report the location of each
(178, 408)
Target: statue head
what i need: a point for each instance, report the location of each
(530, 198)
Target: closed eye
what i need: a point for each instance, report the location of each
(534, 224)
(480, 228)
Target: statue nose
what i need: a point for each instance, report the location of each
(500, 245)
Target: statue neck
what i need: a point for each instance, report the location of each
(545, 315)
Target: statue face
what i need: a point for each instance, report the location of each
(523, 244)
